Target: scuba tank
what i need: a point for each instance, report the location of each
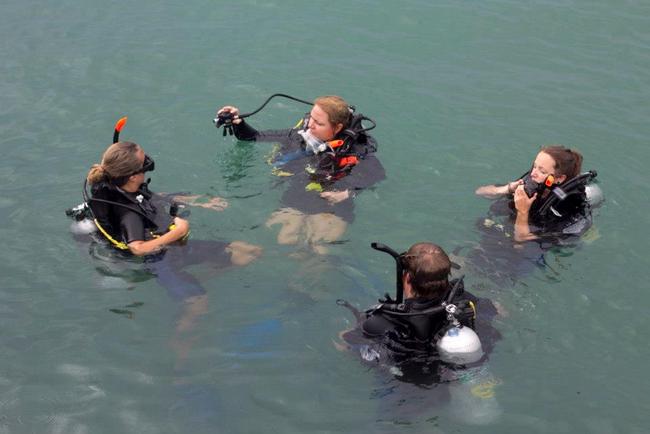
(460, 346)
(595, 196)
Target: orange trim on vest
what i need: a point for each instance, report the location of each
(348, 161)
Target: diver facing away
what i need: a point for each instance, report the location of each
(424, 317)
(431, 319)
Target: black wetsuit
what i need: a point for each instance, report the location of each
(294, 159)
(138, 216)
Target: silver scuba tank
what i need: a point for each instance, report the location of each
(594, 194)
(460, 345)
(83, 227)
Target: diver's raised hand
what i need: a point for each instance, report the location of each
(522, 201)
(234, 111)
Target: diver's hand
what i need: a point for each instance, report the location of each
(214, 203)
(180, 231)
(523, 204)
(233, 110)
(512, 186)
(522, 201)
(491, 191)
(335, 196)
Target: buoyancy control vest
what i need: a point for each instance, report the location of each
(108, 204)
(565, 209)
(419, 320)
(344, 152)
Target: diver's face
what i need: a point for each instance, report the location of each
(320, 126)
(543, 166)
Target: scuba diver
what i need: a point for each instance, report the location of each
(143, 231)
(551, 204)
(551, 199)
(430, 316)
(142, 227)
(428, 335)
(124, 210)
(328, 155)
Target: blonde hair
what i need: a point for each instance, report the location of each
(119, 160)
(336, 108)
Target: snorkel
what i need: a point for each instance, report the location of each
(399, 270)
(118, 128)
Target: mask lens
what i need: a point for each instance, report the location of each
(149, 165)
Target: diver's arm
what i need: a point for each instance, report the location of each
(523, 204)
(141, 248)
(491, 191)
(244, 131)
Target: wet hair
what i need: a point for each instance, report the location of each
(336, 108)
(429, 268)
(119, 162)
(568, 162)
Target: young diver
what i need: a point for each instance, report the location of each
(551, 199)
(330, 156)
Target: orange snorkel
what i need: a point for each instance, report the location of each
(118, 127)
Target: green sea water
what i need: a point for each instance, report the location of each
(463, 92)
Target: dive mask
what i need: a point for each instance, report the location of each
(149, 165)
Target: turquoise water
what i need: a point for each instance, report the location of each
(463, 92)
